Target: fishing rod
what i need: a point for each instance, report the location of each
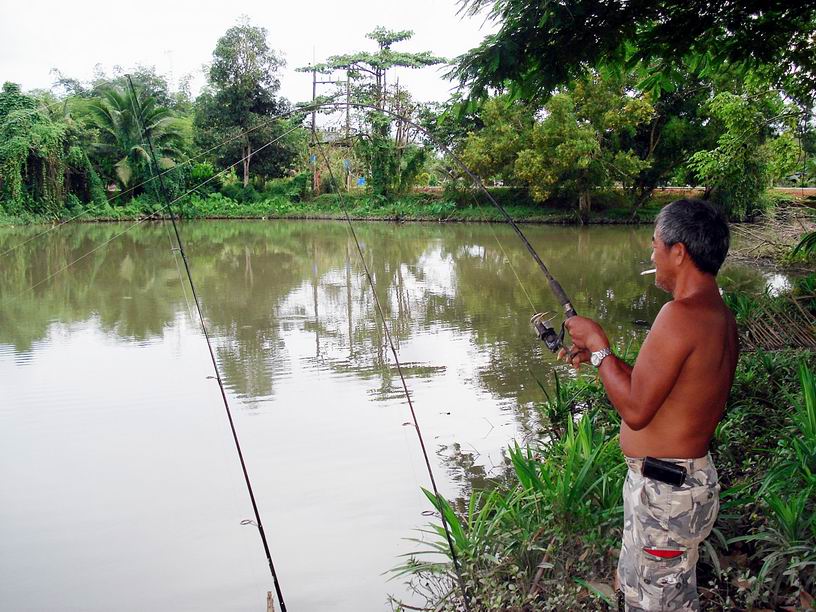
(553, 340)
(218, 378)
(381, 312)
(540, 321)
(544, 330)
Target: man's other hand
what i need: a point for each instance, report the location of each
(586, 334)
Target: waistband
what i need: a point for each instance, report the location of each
(692, 465)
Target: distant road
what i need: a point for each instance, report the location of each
(791, 190)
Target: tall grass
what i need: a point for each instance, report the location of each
(786, 542)
(561, 516)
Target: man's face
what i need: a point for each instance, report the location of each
(664, 278)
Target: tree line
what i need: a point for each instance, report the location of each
(565, 102)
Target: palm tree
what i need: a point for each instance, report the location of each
(120, 117)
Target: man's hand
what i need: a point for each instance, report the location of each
(574, 356)
(586, 334)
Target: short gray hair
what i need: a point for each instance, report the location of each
(701, 227)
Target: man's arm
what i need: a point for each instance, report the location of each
(638, 392)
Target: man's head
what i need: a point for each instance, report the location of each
(689, 232)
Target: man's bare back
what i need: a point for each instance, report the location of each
(684, 424)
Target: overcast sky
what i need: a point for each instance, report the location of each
(178, 37)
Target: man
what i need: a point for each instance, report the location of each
(670, 402)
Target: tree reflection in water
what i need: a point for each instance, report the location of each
(259, 280)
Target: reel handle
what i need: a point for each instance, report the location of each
(546, 332)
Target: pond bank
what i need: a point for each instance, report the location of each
(427, 205)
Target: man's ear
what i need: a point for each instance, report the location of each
(679, 253)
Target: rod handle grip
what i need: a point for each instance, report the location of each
(562, 298)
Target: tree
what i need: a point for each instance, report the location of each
(41, 163)
(372, 68)
(392, 164)
(576, 149)
(121, 118)
(747, 157)
(243, 81)
(543, 45)
(679, 127)
(506, 130)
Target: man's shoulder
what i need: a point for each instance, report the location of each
(686, 319)
(675, 324)
(675, 312)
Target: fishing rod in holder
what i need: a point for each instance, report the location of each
(180, 245)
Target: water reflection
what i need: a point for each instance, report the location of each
(257, 279)
(304, 354)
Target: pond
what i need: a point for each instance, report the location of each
(121, 485)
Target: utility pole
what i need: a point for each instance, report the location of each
(315, 180)
(348, 128)
(348, 108)
(347, 141)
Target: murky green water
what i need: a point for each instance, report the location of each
(121, 487)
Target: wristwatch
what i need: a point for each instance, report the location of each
(598, 356)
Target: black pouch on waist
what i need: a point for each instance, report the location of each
(664, 471)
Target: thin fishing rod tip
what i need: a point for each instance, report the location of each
(645, 272)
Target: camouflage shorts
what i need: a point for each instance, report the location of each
(663, 526)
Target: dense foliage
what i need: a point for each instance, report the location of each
(541, 46)
(564, 124)
(42, 166)
(712, 73)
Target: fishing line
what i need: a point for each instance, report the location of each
(218, 378)
(555, 286)
(454, 556)
(144, 219)
(301, 109)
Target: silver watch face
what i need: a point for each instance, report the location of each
(597, 357)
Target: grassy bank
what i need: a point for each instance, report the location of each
(291, 199)
(429, 205)
(547, 536)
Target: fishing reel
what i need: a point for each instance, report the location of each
(546, 332)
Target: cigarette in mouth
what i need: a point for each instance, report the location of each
(645, 272)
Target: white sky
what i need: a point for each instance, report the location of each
(179, 37)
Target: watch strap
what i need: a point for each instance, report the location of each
(597, 357)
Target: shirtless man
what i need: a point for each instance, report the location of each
(670, 402)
